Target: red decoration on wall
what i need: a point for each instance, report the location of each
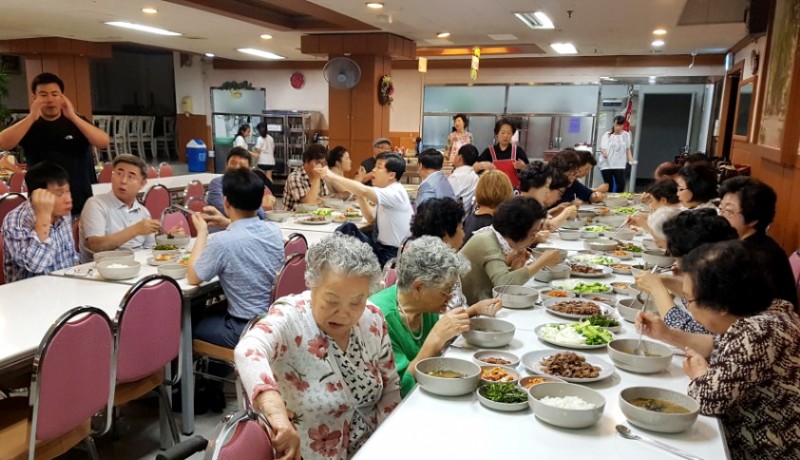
(297, 80)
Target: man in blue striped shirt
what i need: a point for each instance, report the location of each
(37, 235)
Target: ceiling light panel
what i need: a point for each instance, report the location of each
(564, 48)
(536, 20)
(143, 28)
(259, 53)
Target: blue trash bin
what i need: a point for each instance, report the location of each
(196, 153)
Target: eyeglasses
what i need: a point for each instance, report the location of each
(726, 211)
(687, 301)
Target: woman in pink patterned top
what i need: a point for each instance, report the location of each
(458, 138)
(320, 364)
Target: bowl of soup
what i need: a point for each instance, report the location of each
(658, 409)
(447, 376)
(489, 332)
(654, 357)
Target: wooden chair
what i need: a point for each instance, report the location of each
(72, 381)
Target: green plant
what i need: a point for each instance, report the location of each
(5, 113)
(236, 85)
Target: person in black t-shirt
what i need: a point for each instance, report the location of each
(505, 156)
(54, 132)
(364, 174)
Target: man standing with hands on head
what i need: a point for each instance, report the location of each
(54, 132)
(116, 219)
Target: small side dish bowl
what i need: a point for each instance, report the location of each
(489, 332)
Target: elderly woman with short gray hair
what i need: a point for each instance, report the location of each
(427, 270)
(320, 364)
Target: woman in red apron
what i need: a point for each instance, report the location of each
(504, 156)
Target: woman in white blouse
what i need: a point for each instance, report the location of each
(320, 364)
(615, 154)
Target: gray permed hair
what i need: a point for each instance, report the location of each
(342, 254)
(430, 260)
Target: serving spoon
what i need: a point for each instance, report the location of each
(628, 434)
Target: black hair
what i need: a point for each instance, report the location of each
(431, 159)
(267, 182)
(756, 199)
(44, 79)
(335, 155)
(566, 161)
(315, 152)
(240, 152)
(726, 279)
(263, 129)
(242, 130)
(586, 158)
(618, 120)
(468, 153)
(437, 217)
(701, 180)
(666, 169)
(44, 174)
(504, 121)
(394, 163)
(534, 175)
(515, 218)
(243, 189)
(697, 157)
(691, 229)
(664, 188)
(463, 118)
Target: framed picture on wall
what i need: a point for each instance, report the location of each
(11, 65)
(782, 52)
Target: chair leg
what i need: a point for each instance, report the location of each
(166, 411)
(91, 448)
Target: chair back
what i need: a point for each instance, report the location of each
(147, 125)
(173, 217)
(2, 255)
(16, 183)
(296, 244)
(194, 189)
(147, 328)
(103, 122)
(151, 172)
(165, 170)
(243, 436)
(169, 126)
(105, 173)
(72, 374)
(291, 279)
(156, 200)
(196, 204)
(8, 203)
(794, 261)
(4, 187)
(389, 276)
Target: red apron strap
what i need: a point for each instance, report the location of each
(491, 152)
(514, 152)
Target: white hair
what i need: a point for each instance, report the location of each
(430, 260)
(342, 254)
(657, 219)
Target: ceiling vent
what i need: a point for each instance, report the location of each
(536, 20)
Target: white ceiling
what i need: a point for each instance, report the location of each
(603, 27)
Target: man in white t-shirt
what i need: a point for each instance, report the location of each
(265, 146)
(463, 178)
(391, 217)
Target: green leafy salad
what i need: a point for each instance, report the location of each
(504, 392)
(597, 228)
(625, 210)
(601, 321)
(630, 247)
(323, 212)
(591, 288)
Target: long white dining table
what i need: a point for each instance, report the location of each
(172, 183)
(428, 426)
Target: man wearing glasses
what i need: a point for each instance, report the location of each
(116, 219)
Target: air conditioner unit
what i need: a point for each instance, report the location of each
(611, 103)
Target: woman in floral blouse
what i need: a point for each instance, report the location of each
(458, 138)
(320, 364)
(749, 374)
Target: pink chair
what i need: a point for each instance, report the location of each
(172, 217)
(794, 261)
(296, 244)
(147, 338)
(194, 189)
(2, 255)
(4, 187)
(291, 279)
(165, 170)
(72, 379)
(243, 436)
(8, 203)
(76, 237)
(17, 182)
(151, 172)
(156, 200)
(106, 173)
(389, 276)
(195, 204)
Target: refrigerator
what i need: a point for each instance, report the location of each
(229, 110)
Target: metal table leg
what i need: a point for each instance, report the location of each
(187, 370)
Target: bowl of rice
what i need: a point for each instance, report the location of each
(117, 269)
(120, 254)
(566, 405)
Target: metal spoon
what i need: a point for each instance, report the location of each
(638, 350)
(628, 434)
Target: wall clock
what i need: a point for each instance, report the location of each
(297, 80)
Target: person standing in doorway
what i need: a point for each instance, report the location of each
(458, 138)
(615, 154)
(54, 132)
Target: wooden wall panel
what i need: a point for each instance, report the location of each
(188, 128)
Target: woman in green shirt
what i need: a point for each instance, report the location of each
(426, 273)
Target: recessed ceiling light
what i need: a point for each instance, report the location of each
(375, 5)
(564, 48)
(266, 36)
(658, 43)
(149, 10)
(259, 53)
(209, 54)
(660, 32)
(141, 28)
(443, 34)
(536, 20)
(651, 79)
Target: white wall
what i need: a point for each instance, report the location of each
(191, 81)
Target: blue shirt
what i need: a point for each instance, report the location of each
(214, 197)
(434, 186)
(25, 256)
(246, 257)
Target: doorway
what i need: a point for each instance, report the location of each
(664, 130)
